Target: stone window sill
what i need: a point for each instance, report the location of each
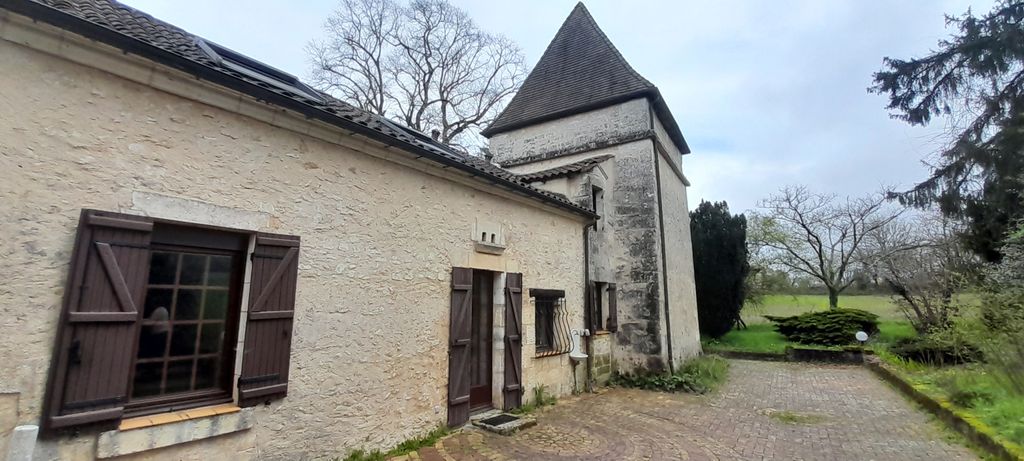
(175, 416)
(146, 433)
(489, 248)
(602, 332)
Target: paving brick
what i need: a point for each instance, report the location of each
(852, 416)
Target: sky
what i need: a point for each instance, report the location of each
(767, 93)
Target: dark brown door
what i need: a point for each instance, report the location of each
(480, 345)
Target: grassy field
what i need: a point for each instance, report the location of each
(782, 305)
(760, 334)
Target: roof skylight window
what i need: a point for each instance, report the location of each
(250, 67)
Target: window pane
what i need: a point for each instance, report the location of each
(206, 373)
(187, 307)
(543, 327)
(183, 340)
(153, 340)
(193, 269)
(162, 268)
(215, 306)
(213, 336)
(158, 298)
(147, 379)
(220, 271)
(179, 376)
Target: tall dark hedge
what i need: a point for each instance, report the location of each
(720, 266)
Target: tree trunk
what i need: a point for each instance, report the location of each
(833, 298)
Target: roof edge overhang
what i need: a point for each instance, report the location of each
(651, 94)
(92, 31)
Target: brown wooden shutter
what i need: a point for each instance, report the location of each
(96, 337)
(513, 389)
(593, 323)
(268, 330)
(460, 329)
(613, 309)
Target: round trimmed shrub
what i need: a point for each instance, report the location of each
(834, 327)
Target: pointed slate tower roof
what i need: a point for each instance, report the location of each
(580, 71)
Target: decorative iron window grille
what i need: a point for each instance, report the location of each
(551, 325)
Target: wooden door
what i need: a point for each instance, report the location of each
(480, 356)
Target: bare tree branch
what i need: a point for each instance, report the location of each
(818, 235)
(426, 63)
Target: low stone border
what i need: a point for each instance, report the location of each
(804, 354)
(798, 354)
(745, 355)
(976, 432)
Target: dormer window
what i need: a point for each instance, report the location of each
(254, 69)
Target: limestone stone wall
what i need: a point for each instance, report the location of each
(603, 360)
(369, 355)
(590, 129)
(626, 245)
(672, 150)
(682, 296)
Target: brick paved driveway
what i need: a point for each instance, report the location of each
(779, 411)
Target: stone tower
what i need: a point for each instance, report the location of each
(588, 126)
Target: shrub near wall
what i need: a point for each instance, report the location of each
(834, 327)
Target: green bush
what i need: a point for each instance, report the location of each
(963, 391)
(698, 376)
(948, 346)
(834, 327)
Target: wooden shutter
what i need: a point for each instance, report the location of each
(97, 334)
(459, 339)
(268, 329)
(513, 389)
(613, 309)
(593, 323)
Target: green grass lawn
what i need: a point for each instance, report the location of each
(760, 334)
(762, 337)
(784, 305)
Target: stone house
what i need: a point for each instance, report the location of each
(207, 258)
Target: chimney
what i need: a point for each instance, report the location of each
(436, 134)
(486, 153)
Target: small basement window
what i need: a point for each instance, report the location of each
(250, 67)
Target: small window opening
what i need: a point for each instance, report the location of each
(552, 325)
(492, 238)
(483, 236)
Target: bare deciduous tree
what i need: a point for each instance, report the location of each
(426, 64)
(818, 235)
(926, 265)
